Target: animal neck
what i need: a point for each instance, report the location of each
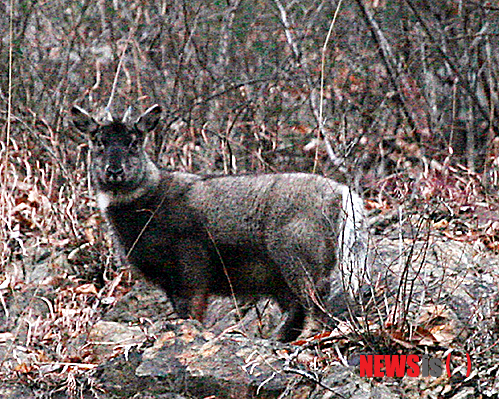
(148, 186)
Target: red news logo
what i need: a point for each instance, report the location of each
(401, 365)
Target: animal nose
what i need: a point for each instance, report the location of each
(114, 173)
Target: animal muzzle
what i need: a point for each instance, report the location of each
(114, 174)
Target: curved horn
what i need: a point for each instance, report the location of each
(107, 115)
(127, 114)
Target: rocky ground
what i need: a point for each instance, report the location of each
(129, 344)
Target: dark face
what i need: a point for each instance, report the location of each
(119, 162)
(117, 157)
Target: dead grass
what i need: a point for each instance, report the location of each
(253, 111)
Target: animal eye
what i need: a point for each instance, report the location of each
(99, 143)
(134, 143)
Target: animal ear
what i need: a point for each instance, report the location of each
(83, 121)
(149, 119)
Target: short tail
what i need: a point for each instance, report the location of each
(353, 243)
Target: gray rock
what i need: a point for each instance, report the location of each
(188, 360)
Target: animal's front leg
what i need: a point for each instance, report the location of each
(195, 278)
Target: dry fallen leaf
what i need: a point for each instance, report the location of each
(442, 224)
(23, 368)
(86, 289)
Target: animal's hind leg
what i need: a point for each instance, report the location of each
(293, 324)
(304, 256)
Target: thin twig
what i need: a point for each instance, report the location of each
(463, 80)
(397, 77)
(4, 211)
(312, 377)
(9, 95)
(122, 57)
(288, 30)
(321, 98)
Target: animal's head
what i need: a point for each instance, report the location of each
(119, 163)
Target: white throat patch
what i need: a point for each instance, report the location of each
(153, 177)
